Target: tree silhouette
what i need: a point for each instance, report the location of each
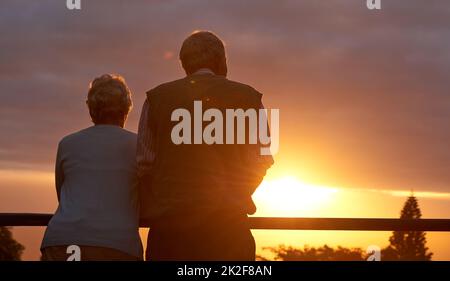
(408, 245)
(323, 253)
(10, 249)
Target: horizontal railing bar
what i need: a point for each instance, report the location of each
(277, 223)
(359, 224)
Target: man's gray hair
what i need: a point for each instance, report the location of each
(203, 49)
(109, 99)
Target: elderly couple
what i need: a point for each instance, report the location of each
(195, 196)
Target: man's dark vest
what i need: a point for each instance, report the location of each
(197, 177)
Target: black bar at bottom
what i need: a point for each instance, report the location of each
(224, 270)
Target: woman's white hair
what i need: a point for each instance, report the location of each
(109, 99)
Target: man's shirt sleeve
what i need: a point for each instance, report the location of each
(145, 154)
(257, 164)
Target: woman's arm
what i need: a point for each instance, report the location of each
(59, 173)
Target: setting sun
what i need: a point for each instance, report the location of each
(289, 196)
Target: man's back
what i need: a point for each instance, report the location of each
(199, 175)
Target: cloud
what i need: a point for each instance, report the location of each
(363, 94)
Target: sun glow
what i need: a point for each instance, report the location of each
(291, 197)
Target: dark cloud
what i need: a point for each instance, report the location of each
(363, 94)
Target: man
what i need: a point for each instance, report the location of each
(197, 195)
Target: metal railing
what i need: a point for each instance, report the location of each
(278, 223)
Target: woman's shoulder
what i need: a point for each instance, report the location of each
(95, 131)
(129, 133)
(96, 136)
(73, 137)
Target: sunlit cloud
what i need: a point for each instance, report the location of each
(419, 194)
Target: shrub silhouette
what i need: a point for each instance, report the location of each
(10, 249)
(323, 253)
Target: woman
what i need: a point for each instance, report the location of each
(96, 183)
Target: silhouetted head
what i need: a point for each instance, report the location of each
(203, 49)
(109, 100)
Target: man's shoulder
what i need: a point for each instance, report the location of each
(221, 82)
(243, 88)
(166, 87)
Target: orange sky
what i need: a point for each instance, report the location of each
(363, 98)
(279, 195)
